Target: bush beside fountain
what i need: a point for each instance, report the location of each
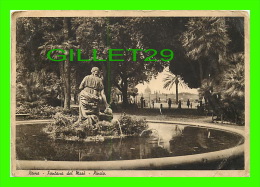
(67, 127)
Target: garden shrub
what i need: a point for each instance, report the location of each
(67, 126)
(130, 125)
(38, 111)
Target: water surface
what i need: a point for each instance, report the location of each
(164, 140)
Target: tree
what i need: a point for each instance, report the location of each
(44, 34)
(226, 93)
(37, 80)
(205, 42)
(232, 89)
(172, 79)
(64, 41)
(118, 33)
(132, 91)
(38, 88)
(187, 66)
(131, 33)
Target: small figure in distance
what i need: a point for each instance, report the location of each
(142, 102)
(161, 106)
(169, 103)
(153, 103)
(188, 103)
(179, 104)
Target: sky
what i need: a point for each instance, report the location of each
(156, 84)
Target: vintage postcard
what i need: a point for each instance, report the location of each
(130, 93)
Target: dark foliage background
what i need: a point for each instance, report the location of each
(208, 54)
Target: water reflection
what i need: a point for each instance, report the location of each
(159, 141)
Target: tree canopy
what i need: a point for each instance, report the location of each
(208, 54)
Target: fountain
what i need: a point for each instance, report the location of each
(164, 145)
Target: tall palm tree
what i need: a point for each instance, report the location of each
(172, 79)
(233, 81)
(206, 41)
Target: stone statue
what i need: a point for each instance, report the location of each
(90, 98)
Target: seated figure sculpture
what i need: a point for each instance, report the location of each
(90, 98)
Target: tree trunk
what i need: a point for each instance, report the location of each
(61, 68)
(124, 92)
(66, 68)
(107, 81)
(108, 92)
(67, 84)
(177, 93)
(201, 72)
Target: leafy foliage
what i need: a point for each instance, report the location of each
(36, 36)
(38, 87)
(208, 53)
(37, 110)
(66, 127)
(205, 37)
(172, 79)
(131, 125)
(226, 94)
(62, 126)
(204, 45)
(209, 45)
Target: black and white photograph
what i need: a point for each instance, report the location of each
(130, 93)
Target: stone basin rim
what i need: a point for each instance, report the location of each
(150, 163)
